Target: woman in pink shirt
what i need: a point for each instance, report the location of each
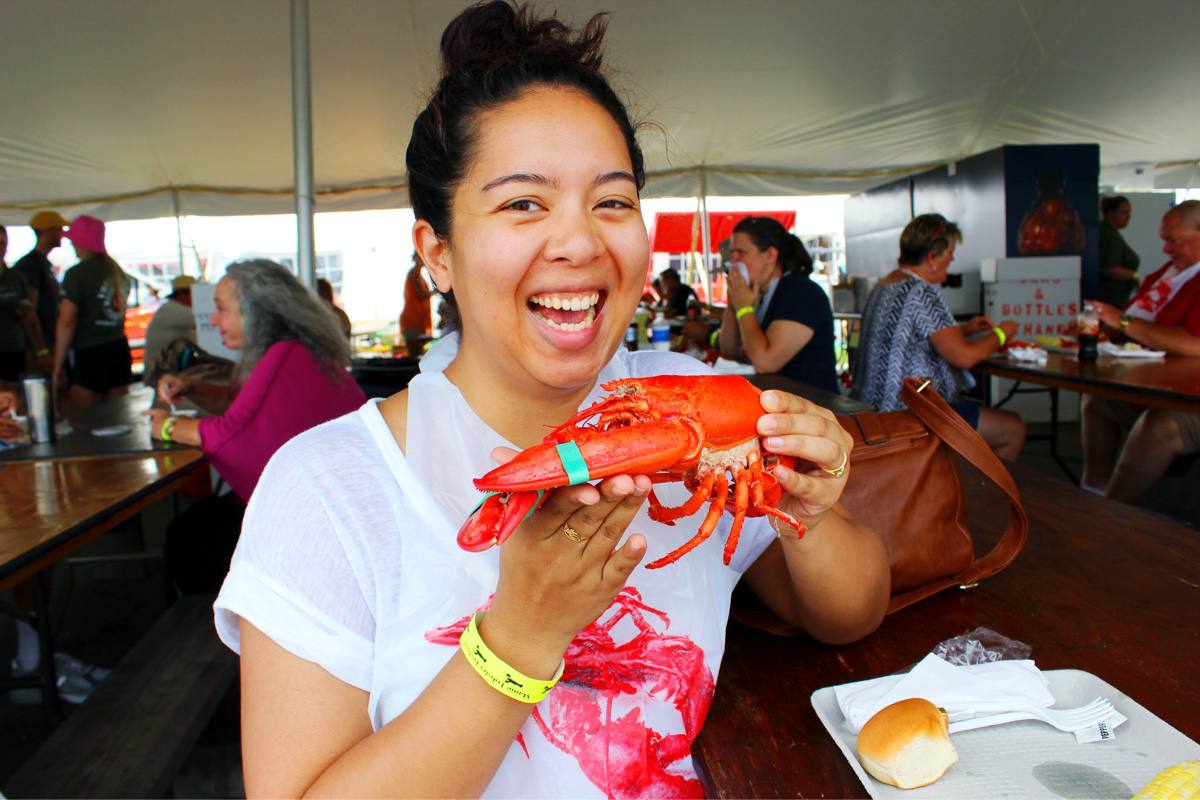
(292, 376)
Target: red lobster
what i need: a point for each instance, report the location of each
(695, 429)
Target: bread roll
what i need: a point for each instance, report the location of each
(907, 744)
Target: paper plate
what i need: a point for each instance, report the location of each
(111, 430)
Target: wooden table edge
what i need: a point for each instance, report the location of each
(29, 564)
(1142, 397)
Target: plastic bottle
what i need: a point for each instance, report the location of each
(1089, 333)
(640, 318)
(660, 334)
(631, 336)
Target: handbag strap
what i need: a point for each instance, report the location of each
(945, 422)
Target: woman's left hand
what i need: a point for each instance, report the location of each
(1109, 315)
(794, 426)
(741, 294)
(157, 417)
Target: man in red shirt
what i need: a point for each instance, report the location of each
(1164, 315)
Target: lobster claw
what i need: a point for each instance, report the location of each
(495, 519)
(594, 453)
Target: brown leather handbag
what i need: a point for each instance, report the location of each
(904, 483)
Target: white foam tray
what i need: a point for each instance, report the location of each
(1032, 759)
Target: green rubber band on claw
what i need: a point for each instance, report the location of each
(573, 463)
(528, 513)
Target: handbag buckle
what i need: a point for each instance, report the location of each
(968, 585)
(921, 388)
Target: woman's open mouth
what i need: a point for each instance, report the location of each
(569, 312)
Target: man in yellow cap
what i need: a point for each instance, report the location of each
(173, 320)
(39, 274)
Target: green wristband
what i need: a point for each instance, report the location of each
(743, 311)
(1000, 335)
(167, 427)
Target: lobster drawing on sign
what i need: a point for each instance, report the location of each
(622, 756)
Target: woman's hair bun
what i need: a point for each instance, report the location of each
(496, 34)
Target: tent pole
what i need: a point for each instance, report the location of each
(705, 237)
(302, 144)
(178, 229)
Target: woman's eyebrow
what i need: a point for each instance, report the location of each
(616, 175)
(533, 177)
(520, 177)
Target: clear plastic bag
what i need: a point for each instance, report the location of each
(981, 646)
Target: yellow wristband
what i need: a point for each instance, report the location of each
(1000, 335)
(167, 426)
(501, 676)
(713, 337)
(743, 311)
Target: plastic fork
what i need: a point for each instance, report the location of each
(1065, 719)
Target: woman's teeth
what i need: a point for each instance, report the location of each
(566, 313)
(574, 303)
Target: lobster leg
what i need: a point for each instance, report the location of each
(661, 513)
(706, 529)
(741, 494)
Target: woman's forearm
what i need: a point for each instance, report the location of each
(449, 743)
(840, 578)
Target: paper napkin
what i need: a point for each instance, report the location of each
(976, 689)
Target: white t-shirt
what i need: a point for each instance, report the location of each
(348, 558)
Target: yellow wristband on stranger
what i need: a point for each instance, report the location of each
(743, 311)
(501, 676)
(1000, 335)
(167, 427)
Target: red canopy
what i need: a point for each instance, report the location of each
(679, 232)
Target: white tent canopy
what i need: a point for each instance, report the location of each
(143, 108)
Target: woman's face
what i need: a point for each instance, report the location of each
(548, 251)
(761, 264)
(227, 315)
(1119, 218)
(940, 265)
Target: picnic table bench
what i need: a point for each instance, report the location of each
(133, 733)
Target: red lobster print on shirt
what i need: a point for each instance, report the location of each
(623, 757)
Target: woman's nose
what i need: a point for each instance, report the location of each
(573, 238)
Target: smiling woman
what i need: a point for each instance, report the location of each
(349, 591)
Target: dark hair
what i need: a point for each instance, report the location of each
(769, 232)
(672, 273)
(491, 54)
(926, 234)
(1110, 204)
(324, 289)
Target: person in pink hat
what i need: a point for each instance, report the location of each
(91, 321)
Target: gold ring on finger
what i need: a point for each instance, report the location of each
(840, 470)
(573, 534)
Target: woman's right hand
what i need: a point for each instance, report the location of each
(171, 387)
(551, 586)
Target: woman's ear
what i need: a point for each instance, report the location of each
(435, 254)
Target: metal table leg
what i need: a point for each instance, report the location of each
(47, 667)
(1054, 437)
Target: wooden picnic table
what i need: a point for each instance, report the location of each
(1169, 382)
(50, 508)
(125, 412)
(1103, 587)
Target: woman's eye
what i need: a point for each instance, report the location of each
(614, 202)
(524, 204)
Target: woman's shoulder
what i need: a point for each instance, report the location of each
(342, 456)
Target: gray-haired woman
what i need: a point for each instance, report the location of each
(292, 376)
